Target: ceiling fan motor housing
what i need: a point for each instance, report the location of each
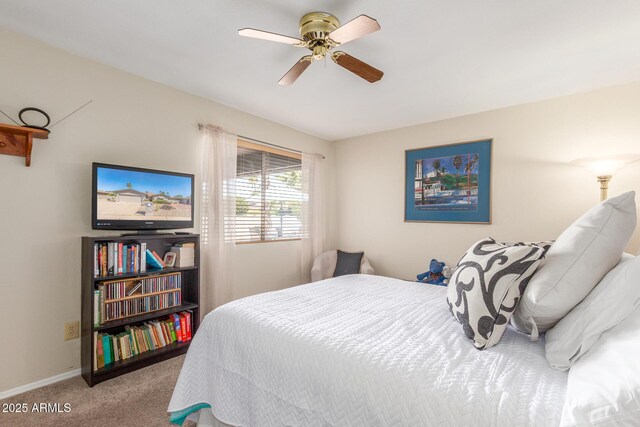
(315, 26)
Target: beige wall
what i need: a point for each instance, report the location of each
(45, 209)
(535, 193)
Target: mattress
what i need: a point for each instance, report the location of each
(361, 350)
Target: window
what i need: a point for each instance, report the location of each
(268, 194)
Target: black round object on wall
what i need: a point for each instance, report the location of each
(37, 110)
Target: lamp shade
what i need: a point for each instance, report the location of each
(606, 165)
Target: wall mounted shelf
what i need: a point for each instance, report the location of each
(18, 140)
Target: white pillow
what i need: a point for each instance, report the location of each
(603, 387)
(615, 297)
(576, 262)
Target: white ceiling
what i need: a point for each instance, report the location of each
(441, 58)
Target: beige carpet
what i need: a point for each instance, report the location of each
(138, 398)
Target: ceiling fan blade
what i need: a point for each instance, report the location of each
(266, 35)
(357, 67)
(354, 29)
(295, 71)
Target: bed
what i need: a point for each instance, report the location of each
(360, 350)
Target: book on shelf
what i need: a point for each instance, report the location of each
(130, 297)
(183, 327)
(134, 340)
(114, 349)
(113, 258)
(158, 258)
(95, 351)
(96, 308)
(100, 351)
(153, 261)
(106, 346)
(177, 326)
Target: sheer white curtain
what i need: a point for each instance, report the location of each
(312, 213)
(218, 216)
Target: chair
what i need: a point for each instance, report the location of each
(325, 264)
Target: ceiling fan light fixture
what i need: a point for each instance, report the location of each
(319, 52)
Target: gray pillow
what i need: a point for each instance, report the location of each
(348, 263)
(581, 256)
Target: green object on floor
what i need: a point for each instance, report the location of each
(178, 417)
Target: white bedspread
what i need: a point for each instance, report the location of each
(362, 351)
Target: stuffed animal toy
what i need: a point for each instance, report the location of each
(435, 275)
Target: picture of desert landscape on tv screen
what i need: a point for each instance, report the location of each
(136, 195)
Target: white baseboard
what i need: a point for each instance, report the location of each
(39, 383)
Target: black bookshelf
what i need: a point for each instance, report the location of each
(190, 300)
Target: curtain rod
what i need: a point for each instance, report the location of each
(200, 126)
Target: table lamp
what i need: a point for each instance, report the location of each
(605, 168)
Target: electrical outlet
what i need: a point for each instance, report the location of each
(71, 330)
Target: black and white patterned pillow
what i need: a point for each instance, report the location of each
(544, 244)
(487, 284)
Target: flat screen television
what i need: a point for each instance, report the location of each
(129, 198)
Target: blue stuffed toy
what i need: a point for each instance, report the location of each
(436, 274)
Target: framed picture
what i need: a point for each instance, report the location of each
(449, 183)
(169, 259)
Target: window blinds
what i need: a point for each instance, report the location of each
(268, 196)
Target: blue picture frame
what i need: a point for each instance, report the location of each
(449, 183)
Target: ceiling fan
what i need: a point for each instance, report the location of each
(321, 32)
